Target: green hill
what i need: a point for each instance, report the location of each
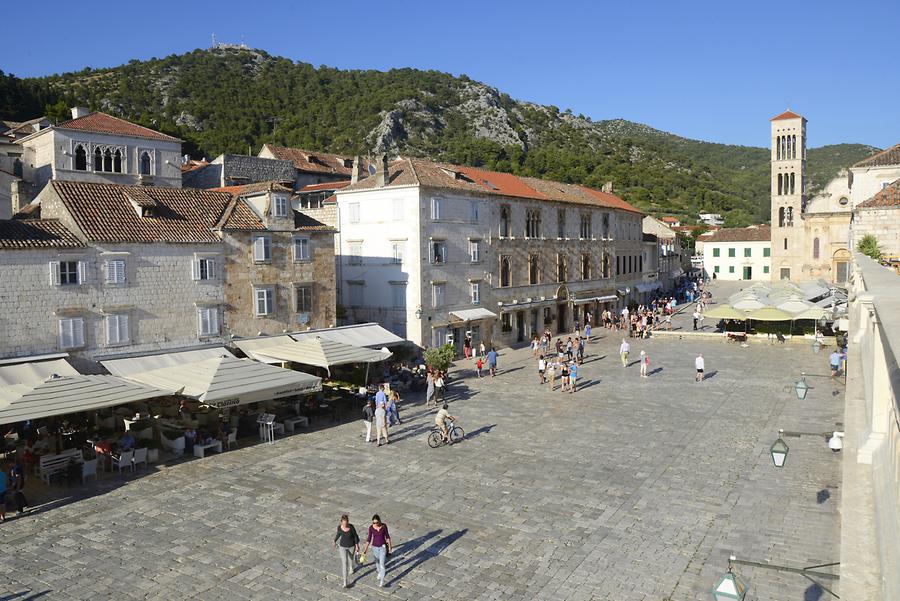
(231, 100)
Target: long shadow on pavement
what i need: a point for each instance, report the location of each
(410, 563)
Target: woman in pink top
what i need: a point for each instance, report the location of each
(380, 540)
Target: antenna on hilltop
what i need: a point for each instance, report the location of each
(214, 40)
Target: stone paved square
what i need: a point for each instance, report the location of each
(627, 490)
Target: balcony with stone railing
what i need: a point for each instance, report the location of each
(870, 507)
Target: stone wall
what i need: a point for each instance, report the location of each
(883, 223)
(283, 274)
(159, 297)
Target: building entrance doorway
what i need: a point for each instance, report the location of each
(785, 273)
(520, 326)
(748, 272)
(535, 327)
(561, 320)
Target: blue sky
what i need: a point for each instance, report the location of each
(708, 70)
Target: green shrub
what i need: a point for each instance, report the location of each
(440, 357)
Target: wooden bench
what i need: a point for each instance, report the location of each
(200, 449)
(53, 464)
(291, 422)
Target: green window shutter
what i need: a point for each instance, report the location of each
(731, 269)
(747, 252)
(731, 252)
(767, 251)
(765, 269)
(715, 252)
(716, 269)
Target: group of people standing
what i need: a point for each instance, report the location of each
(382, 411)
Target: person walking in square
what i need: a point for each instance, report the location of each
(564, 377)
(696, 317)
(429, 389)
(439, 388)
(835, 362)
(492, 362)
(393, 409)
(552, 366)
(587, 332)
(479, 365)
(346, 540)
(381, 424)
(624, 349)
(645, 363)
(573, 377)
(542, 368)
(368, 418)
(700, 366)
(380, 541)
(17, 484)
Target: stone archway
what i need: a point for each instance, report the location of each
(840, 266)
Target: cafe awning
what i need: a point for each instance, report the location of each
(369, 335)
(256, 347)
(598, 299)
(226, 380)
(322, 353)
(811, 313)
(473, 314)
(725, 311)
(133, 365)
(64, 394)
(21, 376)
(769, 314)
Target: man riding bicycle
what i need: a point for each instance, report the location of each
(441, 421)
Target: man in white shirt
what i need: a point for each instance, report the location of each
(700, 365)
(624, 349)
(542, 367)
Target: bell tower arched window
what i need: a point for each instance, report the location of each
(815, 248)
(795, 146)
(789, 147)
(117, 161)
(792, 183)
(98, 160)
(145, 163)
(504, 222)
(80, 158)
(779, 184)
(107, 160)
(780, 216)
(777, 147)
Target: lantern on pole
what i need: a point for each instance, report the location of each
(730, 587)
(801, 387)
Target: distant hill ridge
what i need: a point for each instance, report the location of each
(234, 100)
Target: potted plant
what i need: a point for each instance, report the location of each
(153, 447)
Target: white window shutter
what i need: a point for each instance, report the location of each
(211, 269)
(213, 320)
(195, 269)
(64, 338)
(82, 272)
(124, 335)
(200, 314)
(54, 273)
(78, 332)
(120, 272)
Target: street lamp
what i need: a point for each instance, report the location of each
(779, 450)
(801, 387)
(419, 312)
(730, 586)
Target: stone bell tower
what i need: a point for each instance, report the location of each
(788, 198)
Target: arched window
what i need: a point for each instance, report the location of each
(779, 184)
(585, 267)
(534, 273)
(145, 163)
(117, 161)
(107, 160)
(560, 267)
(783, 147)
(98, 160)
(792, 183)
(789, 217)
(777, 147)
(504, 222)
(781, 217)
(788, 147)
(80, 158)
(605, 265)
(505, 272)
(795, 146)
(815, 248)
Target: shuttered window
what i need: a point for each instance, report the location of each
(71, 332)
(117, 329)
(262, 249)
(264, 301)
(115, 271)
(208, 321)
(301, 249)
(203, 269)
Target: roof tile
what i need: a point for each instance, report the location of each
(754, 233)
(887, 198)
(23, 234)
(314, 162)
(890, 156)
(107, 124)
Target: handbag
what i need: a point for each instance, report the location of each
(361, 559)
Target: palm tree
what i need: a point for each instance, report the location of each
(868, 246)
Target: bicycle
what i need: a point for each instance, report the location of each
(436, 438)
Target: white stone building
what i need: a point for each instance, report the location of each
(100, 148)
(738, 253)
(670, 257)
(433, 251)
(112, 270)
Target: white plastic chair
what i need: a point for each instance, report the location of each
(232, 439)
(125, 459)
(88, 468)
(140, 456)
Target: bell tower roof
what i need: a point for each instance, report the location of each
(788, 114)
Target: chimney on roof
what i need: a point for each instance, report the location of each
(382, 178)
(607, 187)
(359, 171)
(80, 111)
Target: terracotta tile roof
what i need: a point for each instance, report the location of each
(325, 186)
(410, 171)
(315, 162)
(246, 189)
(192, 164)
(754, 233)
(887, 198)
(891, 156)
(238, 216)
(107, 124)
(668, 219)
(105, 213)
(788, 114)
(23, 234)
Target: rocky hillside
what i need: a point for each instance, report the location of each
(235, 100)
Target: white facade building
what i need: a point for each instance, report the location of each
(738, 253)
